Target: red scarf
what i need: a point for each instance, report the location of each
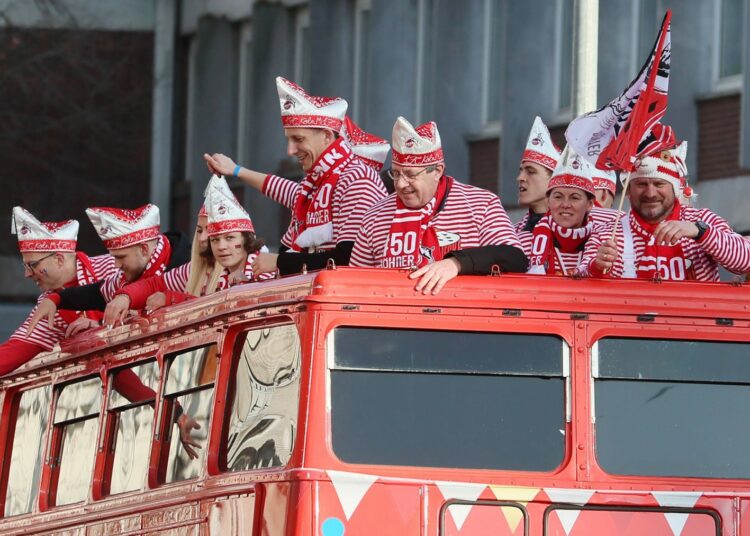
(665, 261)
(157, 263)
(550, 240)
(313, 212)
(85, 275)
(413, 240)
(224, 282)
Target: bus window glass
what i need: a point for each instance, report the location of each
(672, 407)
(26, 456)
(76, 415)
(448, 399)
(131, 402)
(190, 383)
(263, 418)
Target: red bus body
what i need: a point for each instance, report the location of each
(313, 491)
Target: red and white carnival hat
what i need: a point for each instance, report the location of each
(416, 147)
(668, 165)
(121, 228)
(604, 179)
(225, 213)
(539, 147)
(572, 171)
(368, 147)
(300, 110)
(36, 236)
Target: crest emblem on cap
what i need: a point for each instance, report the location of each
(221, 209)
(538, 140)
(288, 104)
(576, 163)
(409, 143)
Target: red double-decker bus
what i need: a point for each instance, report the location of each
(344, 403)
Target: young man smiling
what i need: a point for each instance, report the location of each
(432, 222)
(328, 205)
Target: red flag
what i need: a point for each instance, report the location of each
(614, 136)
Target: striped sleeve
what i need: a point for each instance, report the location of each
(358, 189)
(364, 253)
(110, 285)
(496, 228)
(42, 335)
(176, 279)
(104, 266)
(729, 249)
(281, 190)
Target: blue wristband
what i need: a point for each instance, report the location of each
(236, 171)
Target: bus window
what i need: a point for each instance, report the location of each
(28, 442)
(672, 407)
(76, 419)
(131, 408)
(448, 399)
(263, 415)
(190, 383)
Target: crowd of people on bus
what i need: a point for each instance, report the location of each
(433, 226)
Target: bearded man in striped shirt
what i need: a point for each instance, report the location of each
(50, 260)
(432, 222)
(662, 236)
(328, 205)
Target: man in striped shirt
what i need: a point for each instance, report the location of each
(50, 259)
(139, 250)
(432, 222)
(328, 205)
(662, 237)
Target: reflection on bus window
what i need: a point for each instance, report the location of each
(26, 456)
(448, 399)
(134, 417)
(190, 383)
(672, 407)
(76, 416)
(263, 418)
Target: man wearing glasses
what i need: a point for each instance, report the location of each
(433, 223)
(50, 260)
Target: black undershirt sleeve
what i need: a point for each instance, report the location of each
(290, 262)
(480, 260)
(85, 298)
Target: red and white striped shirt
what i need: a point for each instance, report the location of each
(475, 215)
(176, 279)
(357, 189)
(46, 337)
(720, 245)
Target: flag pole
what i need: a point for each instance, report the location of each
(585, 55)
(619, 207)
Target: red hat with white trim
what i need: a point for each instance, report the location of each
(368, 147)
(225, 213)
(668, 165)
(604, 179)
(121, 228)
(539, 147)
(36, 236)
(572, 172)
(416, 147)
(300, 110)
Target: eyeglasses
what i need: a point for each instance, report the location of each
(396, 175)
(32, 266)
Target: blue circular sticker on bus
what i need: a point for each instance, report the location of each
(332, 527)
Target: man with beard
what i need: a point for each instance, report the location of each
(328, 205)
(433, 222)
(661, 236)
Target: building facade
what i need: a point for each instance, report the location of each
(482, 69)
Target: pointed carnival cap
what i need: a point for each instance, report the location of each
(368, 147)
(300, 110)
(604, 179)
(668, 165)
(416, 147)
(539, 147)
(225, 213)
(572, 172)
(121, 228)
(36, 236)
